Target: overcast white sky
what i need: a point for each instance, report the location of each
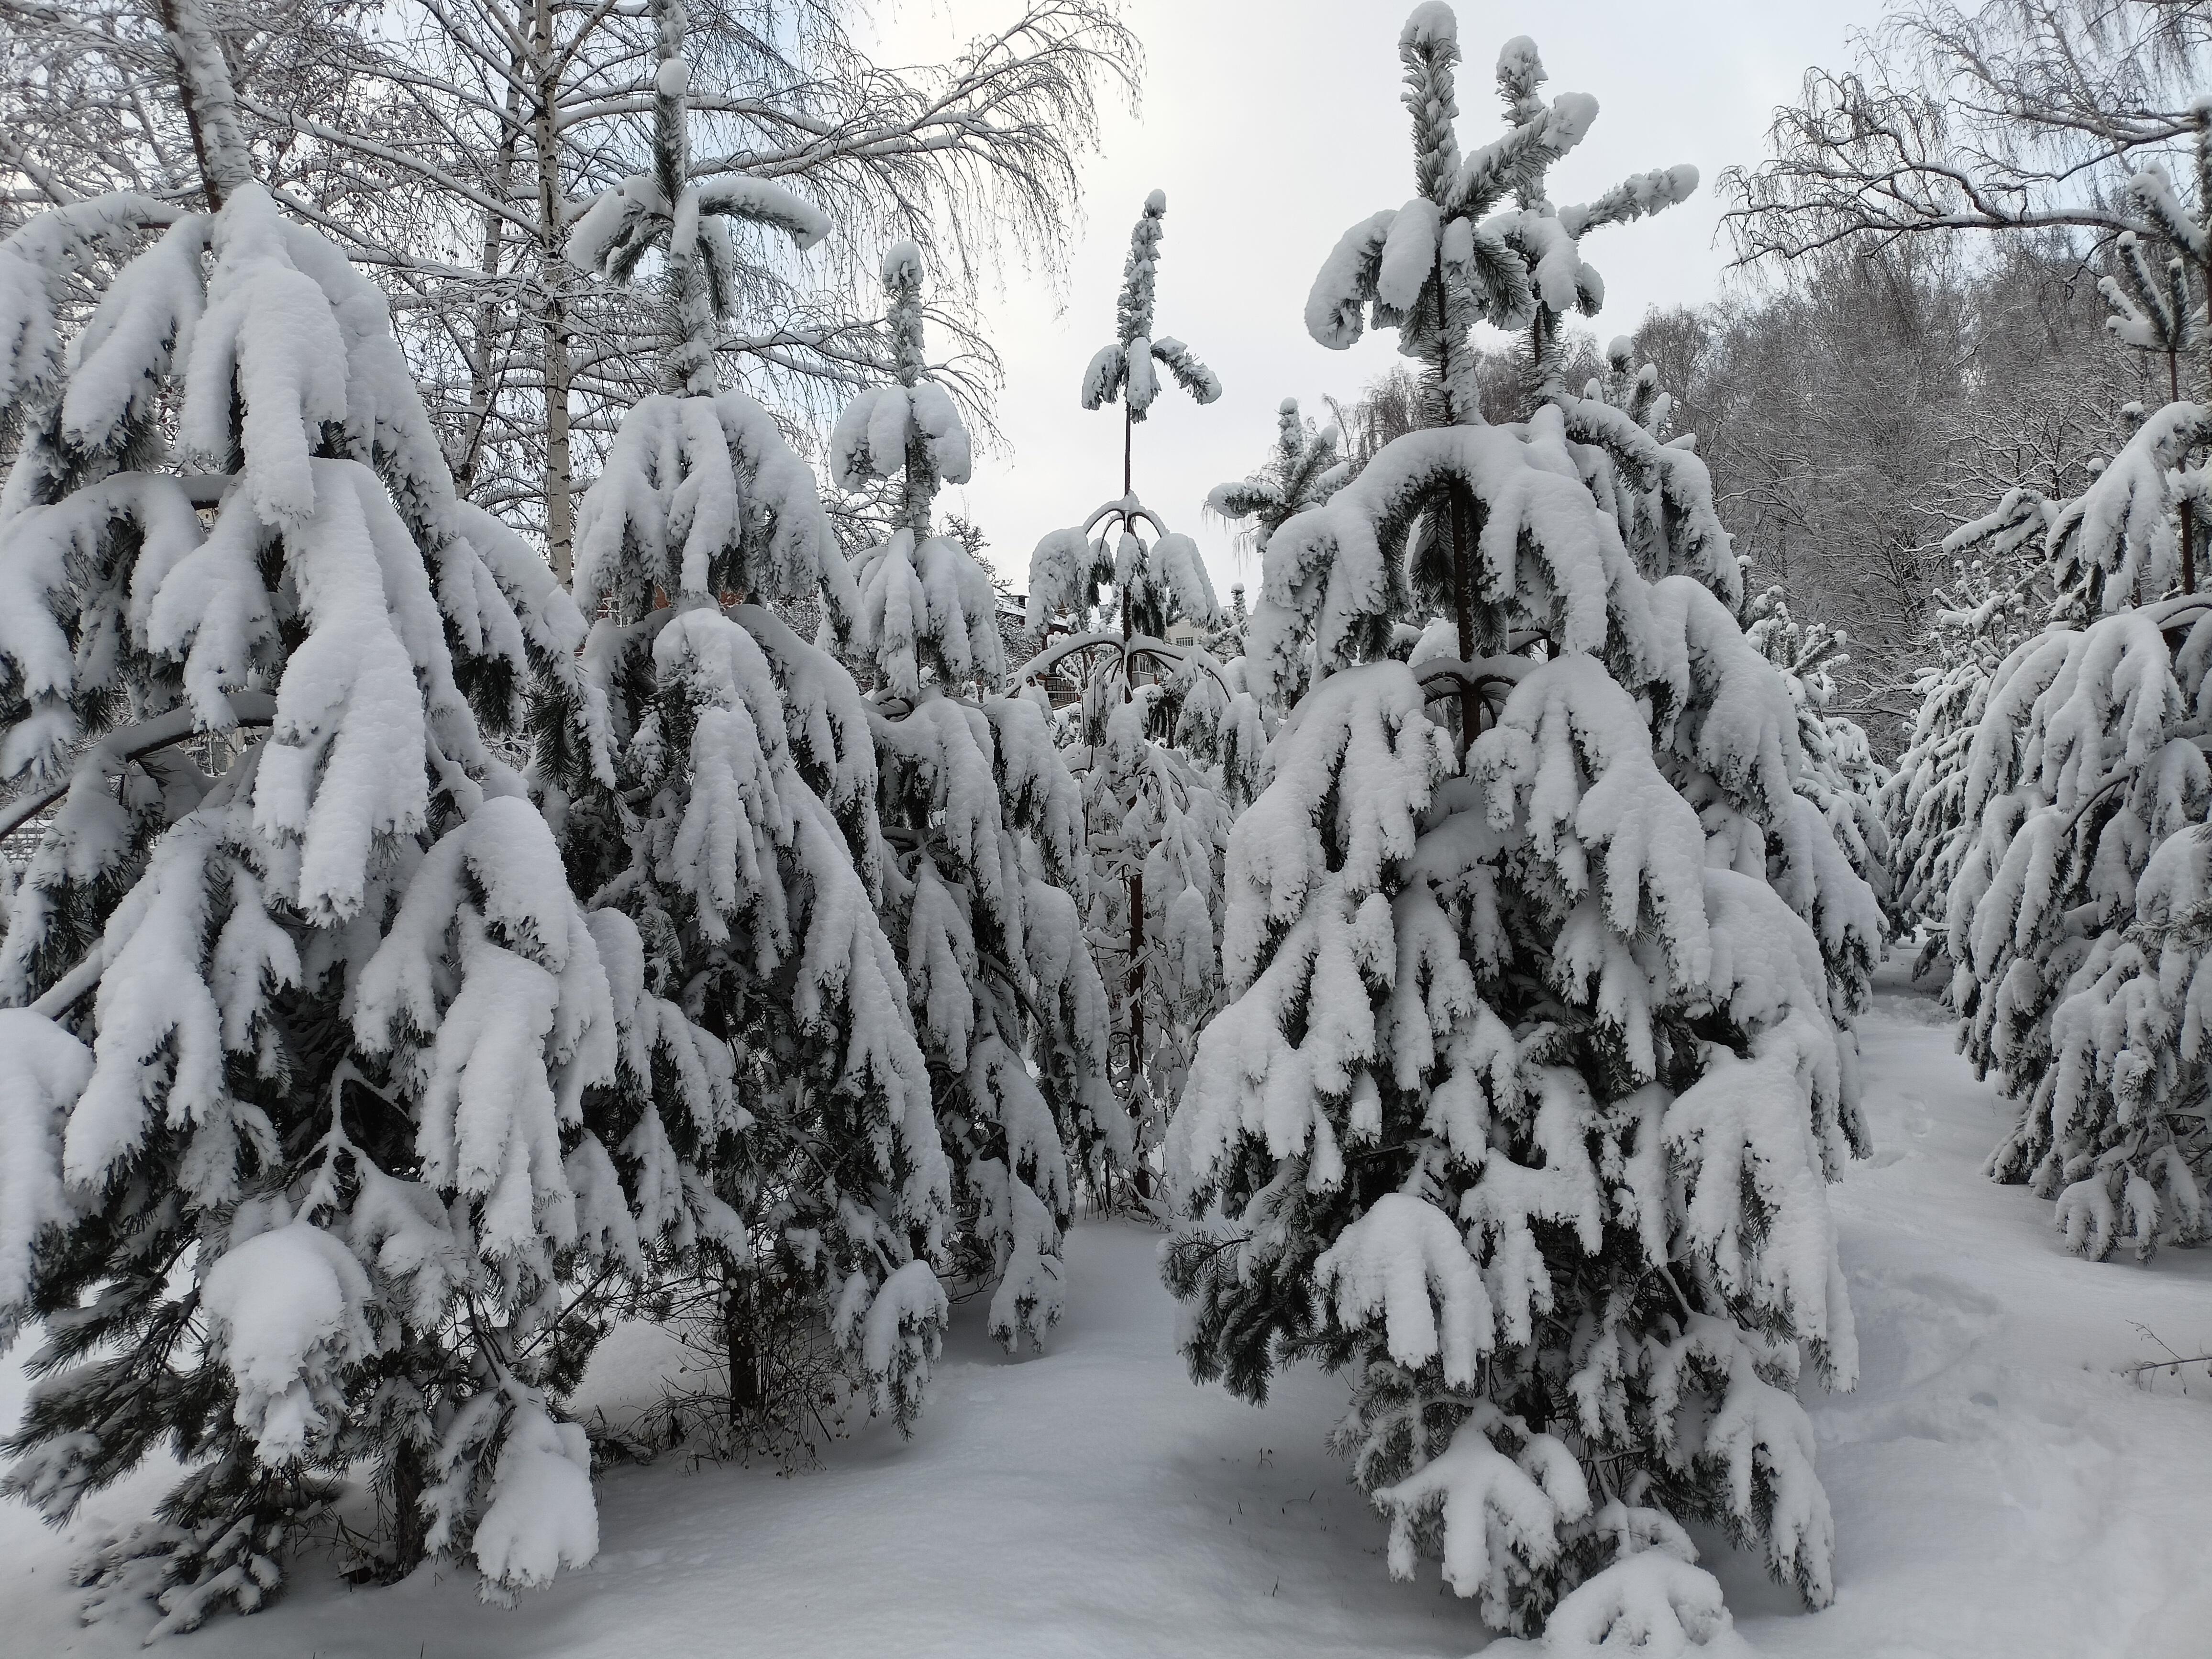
(1274, 125)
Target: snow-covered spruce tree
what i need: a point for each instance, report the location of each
(1164, 742)
(1981, 615)
(737, 830)
(1820, 846)
(985, 872)
(1304, 469)
(2076, 916)
(2074, 919)
(311, 1056)
(1840, 776)
(1523, 1109)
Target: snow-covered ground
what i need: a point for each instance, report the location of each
(2001, 1491)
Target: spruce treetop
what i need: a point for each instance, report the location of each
(1123, 369)
(1480, 240)
(1154, 573)
(700, 495)
(1303, 470)
(910, 430)
(925, 601)
(686, 219)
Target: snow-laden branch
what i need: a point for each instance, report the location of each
(128, 744)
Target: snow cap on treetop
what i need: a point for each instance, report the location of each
(1519, 72)
(1573, 114)
(902, 265)
(1432, 23)
(1519, 66)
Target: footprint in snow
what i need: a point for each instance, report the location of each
(1922, 1374)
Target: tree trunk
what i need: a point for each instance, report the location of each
(410, 1527)
(1128, 450)
(209, 103)
(2188, 512)
(408, 1530)
(560, 511)
(1140, 1176)
(487, 332)
(741, 1336)
(1456, 526)
(1470, 699)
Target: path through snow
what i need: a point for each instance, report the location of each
(2000, 1492)
(2000, 1489)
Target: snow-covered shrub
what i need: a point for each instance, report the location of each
(1533, 1079)
(1164, 739)
(985, 877)
(308, 1044)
